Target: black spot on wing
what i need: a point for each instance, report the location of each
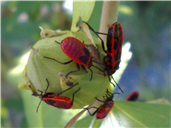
(51, 102)
(115, 45)
(117, 55)
(85, 58)
(109, 39)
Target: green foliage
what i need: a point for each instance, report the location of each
(131, 114)
(127, 114)
(81, 9)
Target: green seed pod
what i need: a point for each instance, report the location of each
(40, 68)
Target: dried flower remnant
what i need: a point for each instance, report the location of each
(47, 33)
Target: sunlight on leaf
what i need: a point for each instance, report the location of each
(160, 101)
(125, 9)
(14, 74)
(22, 62)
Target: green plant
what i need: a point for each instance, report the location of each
(128, 114)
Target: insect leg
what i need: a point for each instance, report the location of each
(91, 74)
(92, 114)
(84, 68)
(97, 36)
(66, 89)
(99, 100)
(47, 85)
(58, 61)
(98, 68)
(75, 70)
(73, 96)
(117, 85)
(41, 94)
(98, 62)
(86, 71)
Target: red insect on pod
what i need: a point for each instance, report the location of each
(52, 99)
(105, 108)
(77, 51)
(133, 96)
(114, 49)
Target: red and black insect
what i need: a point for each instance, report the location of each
(105, 108)
(114, 48)
(133, 96)
(62, 102)
(77, 51)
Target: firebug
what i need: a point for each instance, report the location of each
(114, 48)
(105, 108)
(76, 51)
(58, 101)
(133, 96)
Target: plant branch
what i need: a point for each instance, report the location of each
(109, 16)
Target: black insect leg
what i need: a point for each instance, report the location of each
(98, 68)
(97, 36)
(100, 100)
(41, 94)
(91, 74)
(47, 85)
(75, 70)
(92, 114)
(98, 62)
(116, 84)
(86, 71)
(58, 61)
(73, 96)
(84, 68)
(67, 89)
(110, 81)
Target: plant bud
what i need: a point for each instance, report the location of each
(39, 68)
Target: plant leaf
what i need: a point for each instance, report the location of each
(132, 114)
(81, 9)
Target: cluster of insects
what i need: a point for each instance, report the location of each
(79, 53)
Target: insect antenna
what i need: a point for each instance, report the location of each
(42, 94)
(57, 42)
(39, 104)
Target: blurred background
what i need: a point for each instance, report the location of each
(147, 25)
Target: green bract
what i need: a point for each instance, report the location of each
(81, 9)
(40, 68)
